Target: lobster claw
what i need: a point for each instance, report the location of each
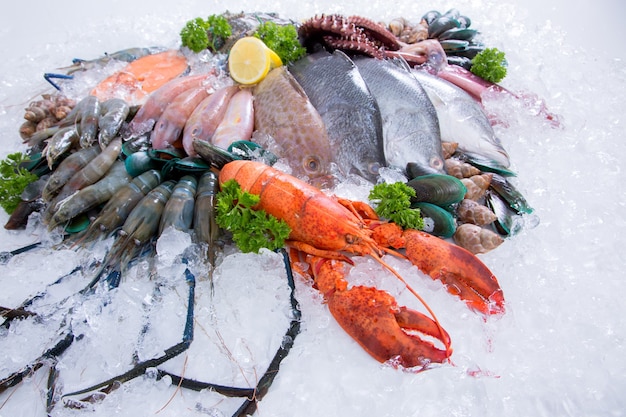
(463, 274)
(461, 271)
(373, 318)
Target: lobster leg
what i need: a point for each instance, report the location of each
(373, 318)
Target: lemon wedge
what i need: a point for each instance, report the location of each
(250, 60)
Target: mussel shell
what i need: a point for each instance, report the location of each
(440, 25)
(439, 189)
(444, 224)
(252, 151)
(485, 164)
(459, 33)
(460, 61)
(140, 143)
(139, 162)
(454, 45)
(214, 155)
(414, 170)
(508, 222)
(166, 155)
(430, 16)
(510, 194)
(464, 21)
(78, 224)
(184, 166)
(471, 51)
(37, 164)
(33, 190)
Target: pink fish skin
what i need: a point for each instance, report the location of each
(206, 117)
(171, 123)
(238, 121)
(155, 105)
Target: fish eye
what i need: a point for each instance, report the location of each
(311, 164)
(374, 168)
(436, 163)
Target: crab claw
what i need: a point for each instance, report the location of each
(373, 318)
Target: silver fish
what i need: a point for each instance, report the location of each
(410, 126)
(352, 118)
(462, 120)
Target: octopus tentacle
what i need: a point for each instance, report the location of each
(377, 32)
(354, 33)
(355, 43)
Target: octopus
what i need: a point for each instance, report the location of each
(360, 35)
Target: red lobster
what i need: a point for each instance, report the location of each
(323, 227)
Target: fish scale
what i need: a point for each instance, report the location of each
(283, 112)
(410, 126)
(350, 113)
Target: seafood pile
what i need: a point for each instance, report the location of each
(362, 102)
(451, 29)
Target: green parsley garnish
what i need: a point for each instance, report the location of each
(251, 229)
(393, 202)
(490, 64)
(282, 39)
(199, 34)
(13, 180)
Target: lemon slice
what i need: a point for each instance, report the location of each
(250, 60)
(275, 60)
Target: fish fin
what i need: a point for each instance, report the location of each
(400, 62)
(295, 84)
(344, 56)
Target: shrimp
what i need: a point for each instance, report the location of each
(113, 113)
(91, 196)
(89, 114)
(204, 223)
(91, 173)
(66, 169)
(178, 212)
(62, 141)
(140, 227)
(117, 209)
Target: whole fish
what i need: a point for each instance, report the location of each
(350, 113)
(283, 111)
(462, 120)
(170, 125)
(238, 121)
(155, 105)
(206, 117)
(410, 126)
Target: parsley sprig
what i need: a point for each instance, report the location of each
(393, 202)
(199, 34)
(251, 229)
(282, 39)
(490, 64)
(13, 180)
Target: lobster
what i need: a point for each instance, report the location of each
(325, 229)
